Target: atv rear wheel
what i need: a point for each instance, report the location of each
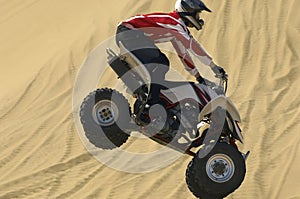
(105, 115)
(220, 172)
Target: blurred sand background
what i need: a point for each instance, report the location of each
(42, 46)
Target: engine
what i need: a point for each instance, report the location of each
(182, 118)
(178, 120)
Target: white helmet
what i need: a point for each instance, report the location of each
(189, 11)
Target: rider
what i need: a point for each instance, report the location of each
(140, 33)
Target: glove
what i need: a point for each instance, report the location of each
(218, 70)
(200, 80)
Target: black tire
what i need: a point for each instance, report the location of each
(191, 181)
(202, 176)
(194, 186)
(103, 115)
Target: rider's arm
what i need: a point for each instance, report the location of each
(200, 52)
(185, 58)
(186, 42)
(188, 63)
(183, 42)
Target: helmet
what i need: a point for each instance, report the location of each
(189, 11)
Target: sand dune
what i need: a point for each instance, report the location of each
(42, 46)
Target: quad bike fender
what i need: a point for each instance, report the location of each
(223, 102)
(226, 104)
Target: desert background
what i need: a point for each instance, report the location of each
(43, 44)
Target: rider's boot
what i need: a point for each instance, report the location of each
(153, 99)
(154, 94)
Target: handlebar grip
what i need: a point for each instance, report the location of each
(222, 76)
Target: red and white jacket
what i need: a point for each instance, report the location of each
(169, 27)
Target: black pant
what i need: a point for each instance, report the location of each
(147, 52)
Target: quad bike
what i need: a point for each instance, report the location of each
(192, 113)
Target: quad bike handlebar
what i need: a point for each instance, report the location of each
(223, 81)
(221, 87)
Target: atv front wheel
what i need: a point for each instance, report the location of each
(220, 172)
(105, 115)
(194, 186)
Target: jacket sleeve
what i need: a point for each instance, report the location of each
(199, 52)
(185, 58)
(184, 43)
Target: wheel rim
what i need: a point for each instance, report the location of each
(105, 113)
(220, 168)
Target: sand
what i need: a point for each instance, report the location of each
(42, 46)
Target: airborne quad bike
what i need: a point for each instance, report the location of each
(217, 168)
